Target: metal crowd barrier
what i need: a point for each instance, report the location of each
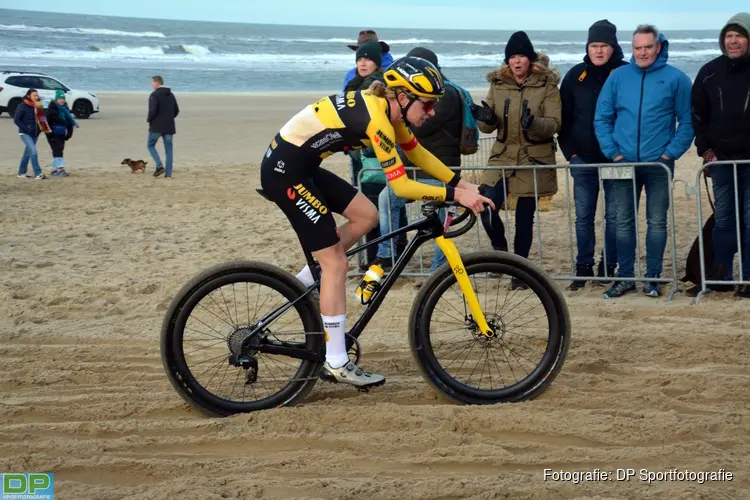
(705, 283)
(413, 213)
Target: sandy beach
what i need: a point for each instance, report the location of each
(89, 264)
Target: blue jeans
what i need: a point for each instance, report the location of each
(153, 137)
(656, 182)
(725, 231)
(388, 198)
(586, 196)
(29, 153)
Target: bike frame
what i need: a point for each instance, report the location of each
(429, 228)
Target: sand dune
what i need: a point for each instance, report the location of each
(89, 263)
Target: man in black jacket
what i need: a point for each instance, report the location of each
(440, 135)
(721, 119)
(579, 92)
(162, 110)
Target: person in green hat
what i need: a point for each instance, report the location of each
(61, 123)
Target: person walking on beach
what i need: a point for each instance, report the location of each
(579, 91)
(721, 118)
(636, 117)
(61, 123)
(31, 121)
(523, 106)
(162, 110)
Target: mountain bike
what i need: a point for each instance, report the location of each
(245, 336)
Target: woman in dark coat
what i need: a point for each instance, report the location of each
(61, 123)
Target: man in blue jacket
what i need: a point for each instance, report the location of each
(636, 121)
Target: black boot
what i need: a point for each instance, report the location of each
(583, 270)
(611, 268)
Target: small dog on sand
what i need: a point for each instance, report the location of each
(135, 165)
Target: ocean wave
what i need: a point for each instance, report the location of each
(202, 56)
(82, 31)
(150, 51)
(485, 43)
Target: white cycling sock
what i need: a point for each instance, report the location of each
(335, 328)
(305, 276)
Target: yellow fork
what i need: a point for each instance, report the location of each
(459, 271)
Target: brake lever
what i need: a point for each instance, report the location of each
(449, 216)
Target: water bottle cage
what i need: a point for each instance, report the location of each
(370, 286)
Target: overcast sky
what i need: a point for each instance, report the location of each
(472, 14)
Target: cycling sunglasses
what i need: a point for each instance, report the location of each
(428, 105)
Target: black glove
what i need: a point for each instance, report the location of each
(484, 113)
(526, 117)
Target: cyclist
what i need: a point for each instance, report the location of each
(291, 176)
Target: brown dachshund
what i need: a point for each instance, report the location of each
(135, 165)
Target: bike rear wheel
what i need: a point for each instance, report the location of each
(532, 327)
(216, 327)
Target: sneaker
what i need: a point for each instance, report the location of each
(610, 270)
(40, 177)
(384, 262)
(583, 270)
(159, 171)
(652, 289)
(619, 289)
(351, 374)
(742, 292)
(516, 284)
(24, 176)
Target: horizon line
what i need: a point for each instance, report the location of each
(372, 26)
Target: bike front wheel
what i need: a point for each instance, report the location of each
(524, 308)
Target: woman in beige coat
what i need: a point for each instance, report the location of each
(523, 106)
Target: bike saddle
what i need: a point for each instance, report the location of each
(262, 193)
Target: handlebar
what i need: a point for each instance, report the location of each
(456, 215)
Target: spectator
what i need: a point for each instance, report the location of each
(523, 93)
(369, 60)
(579, 90)
(31, 121)
(440, 135)
(721, 100)
(636, 117)
(61, 123)
(369, 36)
(162, 110)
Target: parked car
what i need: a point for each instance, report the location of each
(14, 84)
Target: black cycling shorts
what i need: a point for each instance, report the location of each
(305, 192)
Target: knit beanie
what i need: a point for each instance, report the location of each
(602, 32)
(424, 53)
(371, 51)
(519, 45)
(59, 94)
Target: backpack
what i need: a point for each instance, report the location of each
(468, 143)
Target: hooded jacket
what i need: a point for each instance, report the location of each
(638, 110)
(579, 92)
(162, 110)
(515, 145)
(387, 61)
(721, 102)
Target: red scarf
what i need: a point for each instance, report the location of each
(41, 117)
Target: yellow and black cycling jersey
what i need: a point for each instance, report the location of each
(356, 119)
